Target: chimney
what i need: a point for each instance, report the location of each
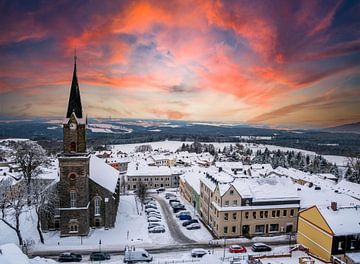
(334, 206)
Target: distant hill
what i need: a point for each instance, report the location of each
(347, 128)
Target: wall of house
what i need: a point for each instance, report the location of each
(314, 234)
(153, 182)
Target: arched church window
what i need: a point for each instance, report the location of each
(97, 205)
(72, 198)
(73, 147)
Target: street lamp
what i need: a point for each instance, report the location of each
(100, 245)
(224, 248)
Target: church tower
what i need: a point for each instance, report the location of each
(74, 164)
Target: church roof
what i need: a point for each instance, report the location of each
(103, 174)
(74, 99)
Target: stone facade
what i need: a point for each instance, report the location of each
(82, 202)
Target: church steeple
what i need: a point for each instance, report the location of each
(74, 99)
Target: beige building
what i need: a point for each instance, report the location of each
(246, 207)
(152, 176)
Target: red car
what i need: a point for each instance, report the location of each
(237, 249)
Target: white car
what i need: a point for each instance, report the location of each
(154, 216)
(153, 219)
(157, 229)
(198, 252)
(193, 226)
(149, 210)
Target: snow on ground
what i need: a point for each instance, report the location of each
(175, 145)
(11, 254)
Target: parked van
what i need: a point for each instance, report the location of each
(133, 255)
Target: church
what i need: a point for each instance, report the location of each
(88, 188)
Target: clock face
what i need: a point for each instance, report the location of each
(72, 126)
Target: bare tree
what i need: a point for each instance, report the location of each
(13, 203)
(30, 156)
(141, 192)
(44, 200)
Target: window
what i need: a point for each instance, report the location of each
(284, 212)
(278, 213)
(292, 212)
(73, 226)
(226, 203)
(261, 214)
(246, 215)
(234, 216)
(266, 214)
(226, 216)
(225, 229)
(73, 147)
(72, 199)
(340, 245)
(231, 192)
(97, 205)
(235, 202)
(272, 213)
(274, 227)
(233, 229)
(72, 176)
(259, 229)
(254, 215)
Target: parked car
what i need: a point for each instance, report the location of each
(149, 199)
(151, 203)
(99, 256)
(148, 206)
(178, 206)
(160, 190)
(182, 213)
(169, 195)
(237, 249)
(153, 219)
(137, 255)
(174, 204)
(188, 222)
(69, 257)
(260, 247)
(154, 216)
(151, 225)
(185, 217)
(157, 229)
(178, 209)
(198, 252)
(173, 200)
(193, 226)
(149, 210)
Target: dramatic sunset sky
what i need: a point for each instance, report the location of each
(279, 63)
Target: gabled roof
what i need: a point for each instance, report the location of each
(103, 174)
(74, 99)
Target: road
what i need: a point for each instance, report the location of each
(174, 229)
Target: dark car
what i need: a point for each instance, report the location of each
(260, 247)
(188, 222)
(185, 217)
(99, 256)
(160, 190)
(178, 209)
(173, 200)
(69, 257)
(150, 206)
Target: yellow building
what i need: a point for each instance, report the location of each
(330, 230)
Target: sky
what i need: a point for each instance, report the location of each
(278, 63)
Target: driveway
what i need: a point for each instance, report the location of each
(174, 229)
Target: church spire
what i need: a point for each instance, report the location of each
(74, 99)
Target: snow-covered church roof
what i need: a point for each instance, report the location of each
(103, 174)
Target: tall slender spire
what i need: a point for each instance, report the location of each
(74, 99)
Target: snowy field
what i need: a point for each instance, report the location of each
(172, 146)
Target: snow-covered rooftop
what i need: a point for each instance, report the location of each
(343, 221)
(103, 174)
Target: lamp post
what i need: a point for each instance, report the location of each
(100, 245)
(224, 248)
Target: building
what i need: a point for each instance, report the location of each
(189, 186)
(331, 230)
(234, 207)
(88, 188)
(152, 176)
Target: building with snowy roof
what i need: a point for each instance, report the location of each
(331, 230)
(234, 207)
(88, 188)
